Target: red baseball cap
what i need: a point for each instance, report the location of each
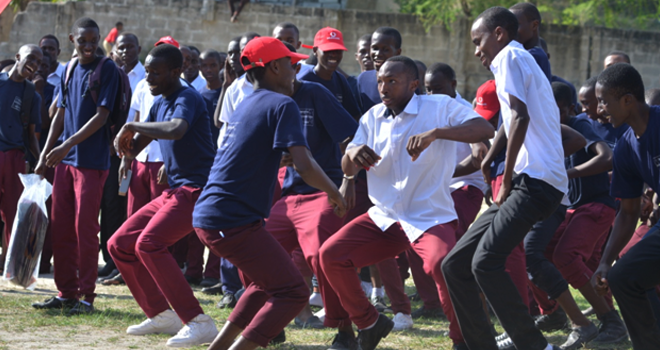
(487, 103)
(260, 51)
(167, 40)
(329, 39)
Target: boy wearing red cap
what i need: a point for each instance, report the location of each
(329, 50)
(228, 216)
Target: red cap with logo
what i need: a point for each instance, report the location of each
(167, 40)
(260, 51)
(487, 103)
(329, 39)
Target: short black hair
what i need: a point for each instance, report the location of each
(408, 64)
(528, 9)
(289, 46)
(237, 39)
(420, 64)
(119, 24)
(619, 53)
(446, 70)
(212, 54)
(84, 22)
(50, 36)
(365, 38)
(563, 94)
(137, 41)
(652, 97)
(255, 73)
(170, 53)
(250, 35)
(590, 83)
(391, 32)
(194, 49)
(621, 79)
(288, 25)
(500, 17)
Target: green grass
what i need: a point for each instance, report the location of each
(22, 327)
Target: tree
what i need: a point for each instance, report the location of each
(637, 14)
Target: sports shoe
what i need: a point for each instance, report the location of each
(279, 339)
(414, 297)
(208, 282)
(81, 309)
(368, 339)
(506, 344)
(436, 313)
(55, 303)
(402, 322)
(166, 322)
(344, 341)
(312, 322)
(579, 337)
(552, 322)
(227, 301)
(193, 281)
(198, 331)
(215, 289)
(611, 330)
(316, 300)
(379, 304)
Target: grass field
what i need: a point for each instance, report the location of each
(22, 327)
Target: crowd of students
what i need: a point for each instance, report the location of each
(297, 176)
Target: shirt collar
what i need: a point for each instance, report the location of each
(137, 70)
(497, 61)
(58, 72)
(412, 108)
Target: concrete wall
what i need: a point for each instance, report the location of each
(576, 53)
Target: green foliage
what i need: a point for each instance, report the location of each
(635, 14)
(20, 5)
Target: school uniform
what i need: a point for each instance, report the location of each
(140, 247)
(636, 162)
(606, 131)
(78, 184)
(236, 92)
(55, 78)
(477, 261)
(229, 214)
(199, 83)
(340, 89)
(367, 83)
(542, 60)
(13, 149)
(412, 203)
(135, 75)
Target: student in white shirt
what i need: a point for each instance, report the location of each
(532, 133)
(407, 143)
(50, 44)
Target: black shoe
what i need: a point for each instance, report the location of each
(414, 297)
(553, 322)
(344, 341)
(55, 303)
(379, 304)
(209, 281)
(313, 322)
(506, 344)
(279, 339)
(460, 346)
(368, 339)
(436, 313)
(81, 309)
(107, 269)
(579, 337)
(111, 275)
(114, 281)
(193, 281)
(611, 330)
(227, 301)
(213, 290)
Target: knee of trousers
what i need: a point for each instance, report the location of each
(621, 279)
(455, 266)
(145, 247)
(433, 267)
(330, 256)
(483, 263)
(545, 276)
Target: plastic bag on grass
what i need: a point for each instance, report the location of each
(28, 233)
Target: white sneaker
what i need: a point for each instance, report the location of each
(167, 322)
(402, 322)
(320, 314)
(316, 300)
(200, 330)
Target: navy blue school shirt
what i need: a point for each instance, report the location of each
(353, 85)
(211, 97)
(93, 152)
(242, 180)
(339, 87)
(587, 189)
(542, 60)
(11, 125)
(189, 159)
(606, 131)
(368, 86)
(325, 124)
(637, 160)
(49, 92)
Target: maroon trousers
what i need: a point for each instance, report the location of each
(12, 163)
(144, 185)
(75, 227)
(139, 249)
(276, 292)
(361, 243)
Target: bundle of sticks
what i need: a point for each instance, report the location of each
(26, 243)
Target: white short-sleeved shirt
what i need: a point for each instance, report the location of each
(142, 101)
(55, 78)
(135, 75)
(540, 157)
(198, 83)
(416, 194)
(463, 150)
(236, 92)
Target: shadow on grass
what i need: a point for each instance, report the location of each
(110, 314)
